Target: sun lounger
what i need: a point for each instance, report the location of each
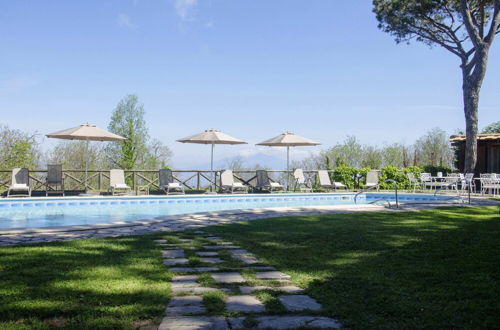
(265, 183)
(20, 183)
(167, 183)
(55, 181)
(117, 182)
(300, 181)
(228, 183)
(325, 182)
(372, 179)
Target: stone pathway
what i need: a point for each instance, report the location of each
(227, 294)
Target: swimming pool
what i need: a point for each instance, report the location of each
(54, 212)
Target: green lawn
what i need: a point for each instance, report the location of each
(429, 269)
(115, 283)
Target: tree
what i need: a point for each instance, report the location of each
(349, 152)
(492, 128)
(128, 121)
(465, 28)
(18, 149)
(433, 149)
(157, 155)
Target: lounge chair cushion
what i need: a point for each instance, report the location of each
(19, 186)
(275, 184)
(239, 185)
(174, 185)
(121, 186)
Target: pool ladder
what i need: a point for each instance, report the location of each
(395, 184)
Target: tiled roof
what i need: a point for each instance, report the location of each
(481, 137)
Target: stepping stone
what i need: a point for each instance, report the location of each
(194, 289)
(244, 304)
(213, 238)
(287, 289)
(185, 305)
(247, 260)
(211, 260)
(186, 281)
(296, 321)
(297, 303)
(173, 253)
(275, 276)
(261, 268)
(160, 241)
(240, 252)
(228, 277)
(218, 247)
(207, 254)
(185, 240)
(225, 243)
(193, 322)
(177, 261)
(193, 269)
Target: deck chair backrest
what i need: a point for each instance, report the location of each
(299, 177)
(20, 176)
(116, 177)
(262, 178)
(165, 176)
(425, 176)
(324, 178)
(372, 177)
(411, 177)
(227, 178)
(469, 177)
(54, 174)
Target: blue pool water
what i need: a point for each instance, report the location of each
(53, 212)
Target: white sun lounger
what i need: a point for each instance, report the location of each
(228, 183)
(325, 182)
(20, 183)
(117, 181)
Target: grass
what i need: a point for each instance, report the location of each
(115, 283)
(430, 269)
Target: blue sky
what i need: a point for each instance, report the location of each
(252, 68)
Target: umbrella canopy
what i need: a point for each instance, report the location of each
(87, 132)
(212, 137)
(288, 140)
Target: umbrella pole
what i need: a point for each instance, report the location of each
(86, 163)
(212, 168)
(287, 167)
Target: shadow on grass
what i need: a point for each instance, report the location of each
(84, 284)
(430, 269)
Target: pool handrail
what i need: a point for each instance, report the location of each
(394, 182)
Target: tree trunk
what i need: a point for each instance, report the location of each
(471, 101)
(471, 87)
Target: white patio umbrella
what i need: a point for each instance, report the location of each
(86, 132)
(212, 137)
(288, 140)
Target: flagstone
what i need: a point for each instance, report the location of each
(272, 275)
(297, 303)
(228, 277)
(173, 253)
(244, 303)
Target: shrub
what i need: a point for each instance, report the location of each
(432, 169)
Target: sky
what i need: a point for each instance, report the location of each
(251, 68)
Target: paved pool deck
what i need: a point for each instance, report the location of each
(199, 220)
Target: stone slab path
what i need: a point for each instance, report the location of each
(227, 294)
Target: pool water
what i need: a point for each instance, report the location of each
(53, 212)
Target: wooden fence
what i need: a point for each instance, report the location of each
(98, 180)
